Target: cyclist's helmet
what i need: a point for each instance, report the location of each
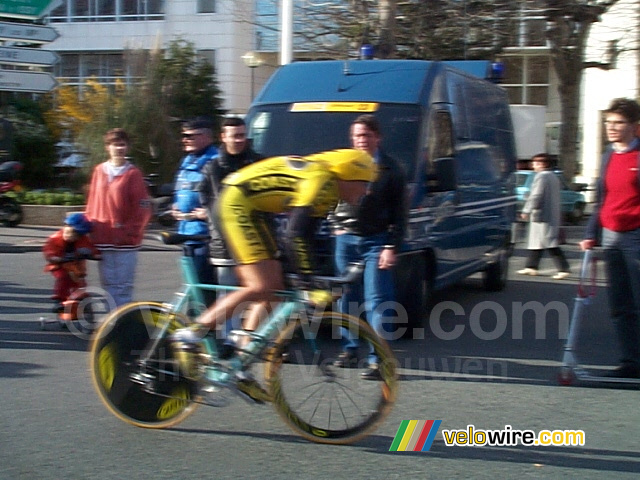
(79, 223)
(349, 164)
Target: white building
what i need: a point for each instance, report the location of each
(617, 33)
(94, 34)
(531, 78)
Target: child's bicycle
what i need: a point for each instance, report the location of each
(144, 381)
(79, 311)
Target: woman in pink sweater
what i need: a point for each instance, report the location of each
(119, 209)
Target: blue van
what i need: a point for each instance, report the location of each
(450, 129)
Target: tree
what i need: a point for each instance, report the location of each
(33, 143)
(568, 31)
(425, 29)
(173, 85)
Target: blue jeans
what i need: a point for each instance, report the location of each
(622, 255)
(117, 272)
(376, 294)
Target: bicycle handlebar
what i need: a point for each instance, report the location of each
(353, 274)
(586, 286)
(173, 238)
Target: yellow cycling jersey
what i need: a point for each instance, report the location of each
(276, 185)
(305, 186)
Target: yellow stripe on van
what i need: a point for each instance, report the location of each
(335, 107)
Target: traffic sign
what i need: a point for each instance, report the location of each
(29, 9)
(28, 56)
(27, 33)
(25, 81)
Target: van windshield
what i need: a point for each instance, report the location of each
(276, 130)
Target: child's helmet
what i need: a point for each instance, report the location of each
(79, 223)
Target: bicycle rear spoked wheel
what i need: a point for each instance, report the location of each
(322, 402)
(156, 397)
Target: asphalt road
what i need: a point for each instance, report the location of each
(496, 369)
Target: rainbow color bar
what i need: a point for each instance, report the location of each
(415, 436)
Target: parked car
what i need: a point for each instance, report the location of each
(573, 202)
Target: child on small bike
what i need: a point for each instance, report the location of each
(66, 252)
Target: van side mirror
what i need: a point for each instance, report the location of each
(443, 178)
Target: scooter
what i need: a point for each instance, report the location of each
(80, 310)
(571, 371)
(11, 214)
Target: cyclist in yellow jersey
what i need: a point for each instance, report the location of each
(307, 187)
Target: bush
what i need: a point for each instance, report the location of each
(48, 197)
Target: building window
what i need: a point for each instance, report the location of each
(76, 68)
(61, 13)
(67, 67)
(527, 79)
(206, 6)
(108, 10)
(267, 26)
(209, 56)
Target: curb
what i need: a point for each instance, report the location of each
(151, 243)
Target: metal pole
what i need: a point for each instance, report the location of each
(286, 32)
(252, 84)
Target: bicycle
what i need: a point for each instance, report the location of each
(84, 304)
(144, 382)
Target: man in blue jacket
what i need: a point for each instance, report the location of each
(197, 141)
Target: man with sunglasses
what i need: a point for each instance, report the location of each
(197, 142)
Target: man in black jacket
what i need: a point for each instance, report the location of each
(371, 232)
(235, 152)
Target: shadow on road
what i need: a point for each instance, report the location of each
(568, 457)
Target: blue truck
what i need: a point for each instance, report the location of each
(448, 126)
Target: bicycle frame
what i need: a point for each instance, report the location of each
(192, 291)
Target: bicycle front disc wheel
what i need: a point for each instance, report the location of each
(319, 400)
(156, 396)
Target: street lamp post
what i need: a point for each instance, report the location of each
(252, 60)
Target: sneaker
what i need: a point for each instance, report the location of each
(561, 275)
(251, 388)
(192, 334)
(346, 360)
(372, 372)
(528, 271)
(626, 370)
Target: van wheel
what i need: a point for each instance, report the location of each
(495, 275)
